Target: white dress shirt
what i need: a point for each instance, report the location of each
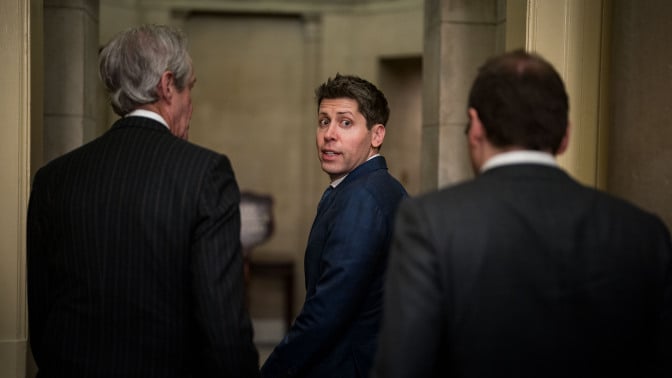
(148, 114)
(519, 157)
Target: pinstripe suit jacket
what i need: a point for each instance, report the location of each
(523, 272)
(134, 263)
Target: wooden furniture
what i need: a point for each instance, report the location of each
(282, 270)
(257, 226)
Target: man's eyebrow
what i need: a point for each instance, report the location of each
(342, 112)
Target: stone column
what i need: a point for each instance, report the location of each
(16, 54)
(70, 74)
(574, 36)
(459, 36)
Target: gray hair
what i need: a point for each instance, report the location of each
(132, 63)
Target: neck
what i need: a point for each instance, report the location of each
(159, 109)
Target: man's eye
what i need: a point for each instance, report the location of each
(346, 123)
(324, 122)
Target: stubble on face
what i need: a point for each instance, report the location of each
(343, 140)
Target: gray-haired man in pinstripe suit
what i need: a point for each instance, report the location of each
(134, 262)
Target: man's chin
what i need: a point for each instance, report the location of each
(333, 175)
(328, 169)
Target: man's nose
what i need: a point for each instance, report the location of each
(330, 131)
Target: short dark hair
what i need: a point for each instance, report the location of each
(370, 100)
(521, 101)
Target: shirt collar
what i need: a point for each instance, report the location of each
(519, 157)
(148, 114)
(340, 180)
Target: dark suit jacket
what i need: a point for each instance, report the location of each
(335, 333)
(523, 272)
(134, 262)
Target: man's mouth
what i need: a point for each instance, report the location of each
(329, 154)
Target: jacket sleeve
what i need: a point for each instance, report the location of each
(412, 314)
(355, 245)
(224, 326)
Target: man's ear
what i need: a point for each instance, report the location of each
(477, 141)
(166, 87)
(476, 133)
(377, 135)
(565, 141)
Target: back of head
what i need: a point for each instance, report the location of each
(521, 101)
(371, 101)
(132, 63)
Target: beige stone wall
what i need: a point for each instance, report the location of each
(248, 105)
(257, 70)
(70, 85)
(384, 47)
(641, 90)
(401, 81)
(460, 35)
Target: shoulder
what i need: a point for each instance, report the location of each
(620, 208)
(373, 176)
(375, 189)
(458, 193)
(182, 154)
(378, 181)
(215, 158)
(146, 147)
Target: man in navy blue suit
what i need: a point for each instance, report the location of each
(335, 333)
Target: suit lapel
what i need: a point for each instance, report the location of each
(364, 169)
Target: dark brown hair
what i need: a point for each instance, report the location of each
(370, 100)
(521, 101)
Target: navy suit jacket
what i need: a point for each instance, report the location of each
(134, 261)
(335, 333)
(523, 272)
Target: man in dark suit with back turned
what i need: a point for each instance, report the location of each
(134, 262)
(335, 333)
(524, 272)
